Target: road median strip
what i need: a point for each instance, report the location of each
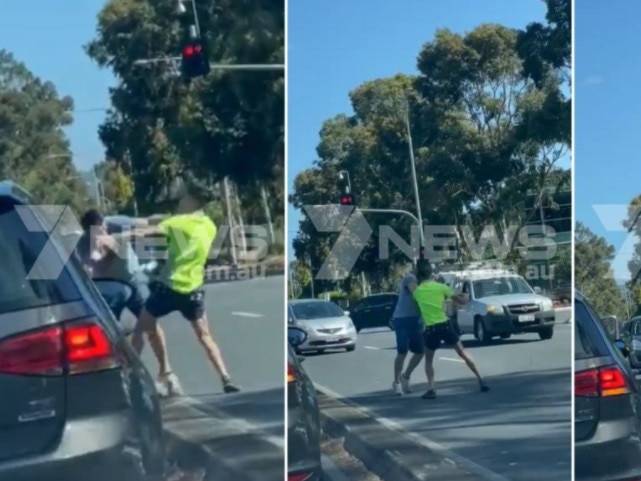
(388, 453)
(197, 439)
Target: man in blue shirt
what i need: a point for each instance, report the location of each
(106, 258)
(409, 334)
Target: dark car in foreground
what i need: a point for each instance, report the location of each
(607, 403)
(76, 401)
(303, 417)
(374, 311)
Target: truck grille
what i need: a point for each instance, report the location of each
(523, 308)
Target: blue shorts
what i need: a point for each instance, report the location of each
(409, 335)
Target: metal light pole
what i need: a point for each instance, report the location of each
(232, 241)
(180, 8)
(410, 146)
(344, 176)
(268, 215)
(216, 66)
(241, 222)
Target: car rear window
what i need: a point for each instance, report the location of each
(589, 340)
(32, 269)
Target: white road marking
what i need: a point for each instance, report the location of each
(240, 425)
(246, 314)
(373, 348)
(451, 359)
(465, 463)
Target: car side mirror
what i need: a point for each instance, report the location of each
(296, 336)
(621, 346)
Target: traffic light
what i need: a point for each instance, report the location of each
(347, 199)
(195, 62)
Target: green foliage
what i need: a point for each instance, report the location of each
(592, 273)
(34, 151)
(487, 139)
(226, 124)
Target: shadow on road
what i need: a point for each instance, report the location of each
(524, 419)
(263, 409)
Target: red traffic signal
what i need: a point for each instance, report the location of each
(347, 199)
(195, 62)
(191, 50)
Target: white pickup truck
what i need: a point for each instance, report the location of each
(502, 303)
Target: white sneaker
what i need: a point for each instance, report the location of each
(405, 384)
(398, 390)
(170, 384)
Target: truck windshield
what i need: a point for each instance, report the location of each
(500, 286)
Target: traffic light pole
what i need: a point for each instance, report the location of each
(216, 66)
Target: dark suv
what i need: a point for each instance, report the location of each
(607, 403)
(374, 311)
(76, 400)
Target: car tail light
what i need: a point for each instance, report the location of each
(72, 348)
(603, 382)
(291, 373)
(299, 476)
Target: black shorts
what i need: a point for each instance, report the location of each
(438, 334)
(164, 301)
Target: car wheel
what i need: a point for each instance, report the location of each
(480, 332)
(546, 333)
(350, 348)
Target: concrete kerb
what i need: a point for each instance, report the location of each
(188, 447)
(389, 454)
(189, 455)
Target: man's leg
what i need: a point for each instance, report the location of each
(156, 304)
(432, 342)
(402, 347)
(147, 325)
(451, 338)
(458, 347)
(194, 311)
(416, 347)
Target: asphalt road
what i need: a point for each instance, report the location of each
(246, 319)
(520, 430)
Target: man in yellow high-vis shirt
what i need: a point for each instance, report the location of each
(430, 297)
(179, 287)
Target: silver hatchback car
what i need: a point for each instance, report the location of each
(327, 325)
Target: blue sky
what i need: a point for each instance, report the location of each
(607, 113)
(47, 35)
(335, 45)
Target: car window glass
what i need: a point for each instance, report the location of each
(583, 346)
(305, 311)
(27, 278)
(636, 330)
